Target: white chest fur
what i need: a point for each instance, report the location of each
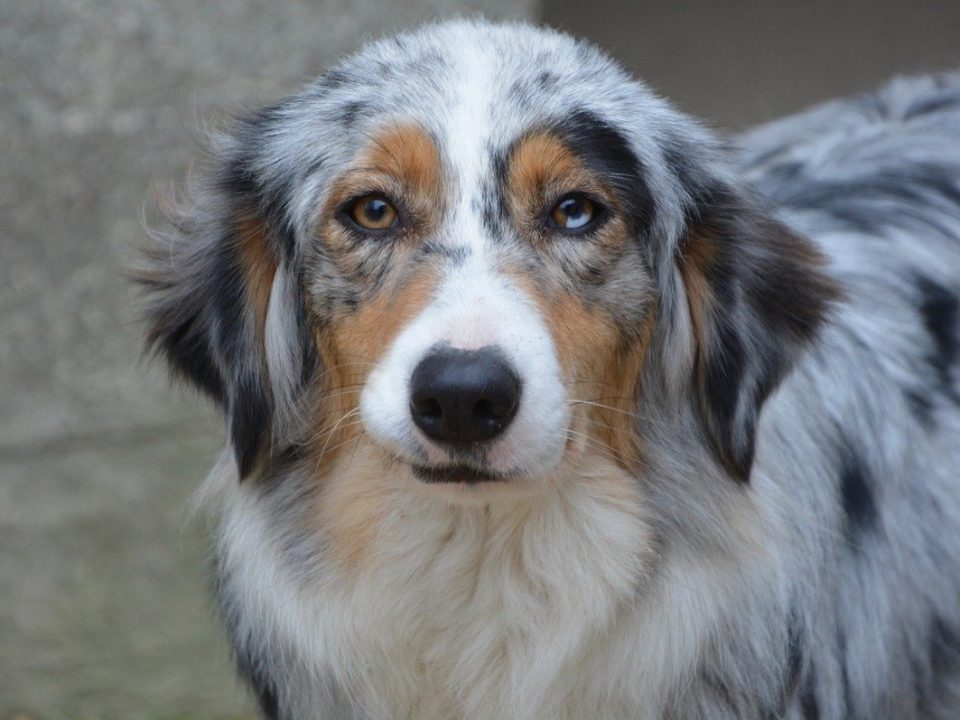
(525, 610)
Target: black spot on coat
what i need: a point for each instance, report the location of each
(940, 310)
(921, 406)
(856, 494)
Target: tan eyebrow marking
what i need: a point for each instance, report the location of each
(403, 162)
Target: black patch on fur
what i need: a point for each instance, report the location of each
(351, 111)
(249, 414)
(261, 685)
(944, 647)
(250, 194)
(940, 310)
(725, 374)
(856, 494)
(493, 213)
(546, 81)
(722, 692)
(492, 205)
(455, 255)
(792, 671)
(936, 674)
(932, 105)
(607, 152)
(769, 297)
(809, 706)
(181, 339)
(944, 663)
(864, 202)
(333, 79)
(520, 93)
(251, 667)
(921, 406)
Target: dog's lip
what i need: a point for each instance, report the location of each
(462, 474)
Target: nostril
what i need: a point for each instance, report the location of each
(496, 409)
(485, 408)
(463, 396)
(427, 407)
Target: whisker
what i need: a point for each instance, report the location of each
(329, 430)
(345, 442)
(343, 418)
(605, 407)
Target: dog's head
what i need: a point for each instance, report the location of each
(483, 253)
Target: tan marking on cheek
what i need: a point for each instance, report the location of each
(349, 468)
(624, 370)
(350, 348)
(602, 369)
(258, 266)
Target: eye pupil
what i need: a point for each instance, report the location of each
(573, 212)
(373, 212)
(572, 209)
(375, 209)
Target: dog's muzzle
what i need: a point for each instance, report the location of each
(460, 398)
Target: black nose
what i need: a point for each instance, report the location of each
(461, 397)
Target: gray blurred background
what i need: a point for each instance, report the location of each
(103, 589)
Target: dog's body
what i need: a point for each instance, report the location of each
(638, 541)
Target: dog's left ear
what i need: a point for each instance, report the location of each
(225, 310)
(757, 294)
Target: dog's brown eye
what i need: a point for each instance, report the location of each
(373, 212)
(573, 212)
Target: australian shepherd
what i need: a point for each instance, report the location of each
(544, 403)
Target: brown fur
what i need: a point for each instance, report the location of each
(403, 163)
(353, 504)
(695, 261)
(259, 267)
(602, 366)
(542, 169)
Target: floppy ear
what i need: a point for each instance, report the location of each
(757, 294)
(210, 280)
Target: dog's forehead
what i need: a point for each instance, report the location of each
(472, 87)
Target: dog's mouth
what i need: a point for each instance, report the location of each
(461, 474)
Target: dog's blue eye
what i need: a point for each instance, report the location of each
(373, 212)
(573, 212)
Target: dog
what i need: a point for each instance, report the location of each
(543, 402)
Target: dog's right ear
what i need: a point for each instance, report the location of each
(213, 279)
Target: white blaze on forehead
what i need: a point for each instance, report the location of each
(467, 131)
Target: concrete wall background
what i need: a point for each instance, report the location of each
(739, 62)
(103, 606)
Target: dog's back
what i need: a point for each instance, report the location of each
(864, 438)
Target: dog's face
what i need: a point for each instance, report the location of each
(488, 304)
(478, 255)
